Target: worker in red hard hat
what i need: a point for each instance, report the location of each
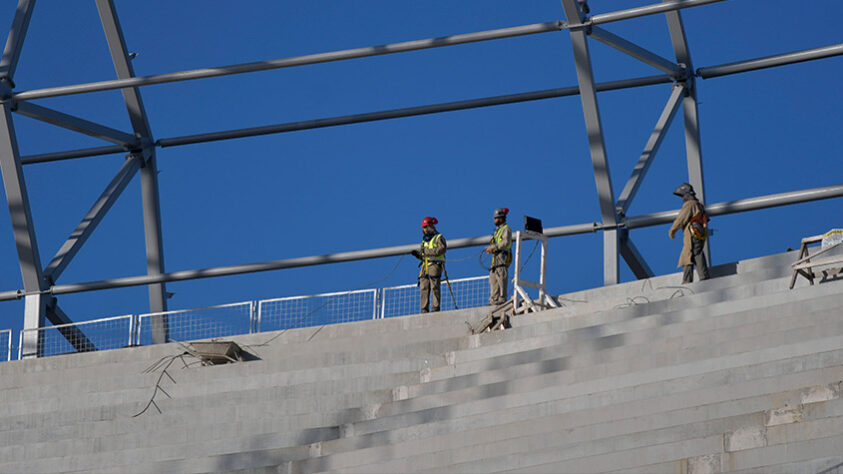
(431, 252)
(501, 250)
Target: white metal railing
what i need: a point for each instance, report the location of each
(97, 334)
(239, 318)
(313, 310)
(198, 323)
(5, 341)
(405, 299)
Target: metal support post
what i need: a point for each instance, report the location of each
(594, 129)
(149, 170)
(521, 301)
(693, 148)
(14, 43)
(24, 232)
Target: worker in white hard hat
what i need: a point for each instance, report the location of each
(431, 252)
(500, 248)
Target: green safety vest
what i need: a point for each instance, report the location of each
(496, 239)
(431, 244)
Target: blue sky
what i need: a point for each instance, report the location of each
(369, 185)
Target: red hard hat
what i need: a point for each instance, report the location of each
(429, 221)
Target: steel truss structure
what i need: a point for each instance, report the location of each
(39, 283)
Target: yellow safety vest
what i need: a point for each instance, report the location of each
(431, 244)
(496, 239)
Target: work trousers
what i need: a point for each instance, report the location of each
(498, 281)
(429, 287)
(698, 258)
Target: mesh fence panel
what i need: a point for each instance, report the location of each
(5, 345)
(405, 299)
(200, 323)
(315, 310)
(99, 334)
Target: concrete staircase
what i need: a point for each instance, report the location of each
(734, 374)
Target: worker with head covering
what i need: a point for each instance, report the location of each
(501, 250)
(431, 252)
(693, 221)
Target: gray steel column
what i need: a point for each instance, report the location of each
(15, 185)
(693, 145)
(23, 229)
(149, 170)
(594, 128)
(14, 43)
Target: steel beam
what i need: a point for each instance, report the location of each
(407, 112)
(742, 205)
(92, 218)
(666, 6)
(22, 227)
(357, 52)
(693, 144)
(149, 170)
(771, 61)
(633, 257)
(294, 61)
(637, 52)
(76, 124)
(69, 155)
(14, 43)
(594, 130)
(33, 341)
(650, 149)
(72, 333)
(479, 241)
(646, 220)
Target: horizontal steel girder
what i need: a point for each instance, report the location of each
(409, 111)
(771, 61)
(648, 220)
(354, 53)
(667, 6)
(713, 71)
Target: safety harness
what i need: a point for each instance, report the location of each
(497, 237)
(699, 225)
(427, 260)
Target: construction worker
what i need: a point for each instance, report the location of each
(431, 252)
(693, 221)
(501, 250)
